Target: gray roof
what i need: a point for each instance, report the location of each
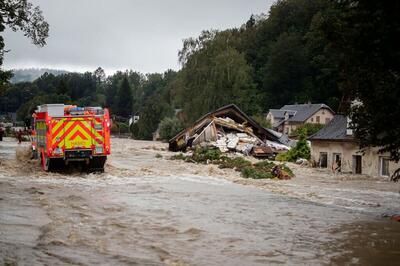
(334, 130)
(283, 138)
(303, 111)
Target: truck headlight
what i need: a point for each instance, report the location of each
(57, 151)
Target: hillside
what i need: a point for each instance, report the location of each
(30, 74)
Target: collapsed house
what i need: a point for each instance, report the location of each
(230, 130)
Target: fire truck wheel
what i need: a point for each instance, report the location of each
(96, 164)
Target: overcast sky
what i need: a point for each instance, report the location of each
(143, 35)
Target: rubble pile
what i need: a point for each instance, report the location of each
(229, 130)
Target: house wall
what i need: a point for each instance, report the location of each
(370, 159)
(324, 114)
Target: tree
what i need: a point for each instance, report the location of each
(214, 74)
(300, 151)
(99, 75)
(151, 113)
(169, 127)
(364, 35)
(125, 99)
(62, 87)
(21, 15)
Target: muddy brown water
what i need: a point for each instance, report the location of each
(148, 211)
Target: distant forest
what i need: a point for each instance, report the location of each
(30, 74)
(298, 52)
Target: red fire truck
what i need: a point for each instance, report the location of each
(67, 133)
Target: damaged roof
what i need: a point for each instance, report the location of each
(234, 112)
(335, 130)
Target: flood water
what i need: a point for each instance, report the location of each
(123, 217)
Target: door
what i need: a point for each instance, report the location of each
(357, 164)
(323, 159)
(337, 162)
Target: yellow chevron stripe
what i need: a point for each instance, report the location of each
(57, 126)
(78, 141)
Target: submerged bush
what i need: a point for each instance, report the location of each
(237, 163)
(260, 170)
(254, 173)
(205, 154)
(178, 156)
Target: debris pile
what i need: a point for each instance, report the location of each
(261, 170)
(229, 130)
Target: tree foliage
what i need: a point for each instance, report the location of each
(169, 127)
(21, 15)
(124, 99)
(300, 151)
(364, 37)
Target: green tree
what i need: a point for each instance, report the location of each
(125, 99)
(21, 15)
(301, 150)
(364, 35)
(151, 113)
(169, 127)
(62, 87)
(214, 74)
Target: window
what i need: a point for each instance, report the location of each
(384, 166)
(323, 160)
(323, 112)
(318, 119)
(312, 119)
(327, 120)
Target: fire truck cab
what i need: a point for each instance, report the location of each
(67, 133)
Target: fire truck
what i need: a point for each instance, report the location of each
(65, 134)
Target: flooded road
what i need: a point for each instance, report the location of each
(153, 211)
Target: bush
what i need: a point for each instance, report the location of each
(260, 170)
(119, 127)
(254, 173)
(302, 150)
(204, 154)
(308, 129)
(123, 128)
(178, 156)
(169, 127)
(237, 163)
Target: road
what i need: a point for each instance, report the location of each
(147, 210)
